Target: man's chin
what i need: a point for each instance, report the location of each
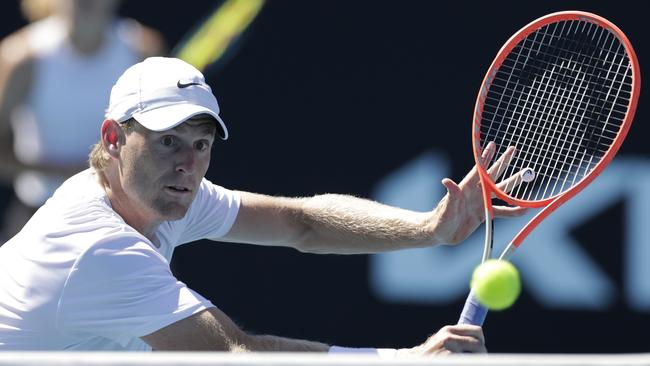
(173, 212)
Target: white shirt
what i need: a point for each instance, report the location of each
(77, 277)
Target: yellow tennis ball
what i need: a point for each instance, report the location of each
(496, 284)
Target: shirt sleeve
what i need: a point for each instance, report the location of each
(121, 289)
(210, 216)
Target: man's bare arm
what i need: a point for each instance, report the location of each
(212, 330)
(328, 223)
(343, 224)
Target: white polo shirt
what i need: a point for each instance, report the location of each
(77, 277)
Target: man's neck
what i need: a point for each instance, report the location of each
(132, 216)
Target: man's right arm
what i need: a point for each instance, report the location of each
(212, 330)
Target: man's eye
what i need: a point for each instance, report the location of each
(167, 140)
(202, 146)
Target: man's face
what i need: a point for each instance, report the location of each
(161, 171)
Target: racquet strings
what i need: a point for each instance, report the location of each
(560, 97)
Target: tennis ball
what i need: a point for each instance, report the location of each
(496, 284)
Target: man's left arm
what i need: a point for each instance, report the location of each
(327, 224)
(344, 224)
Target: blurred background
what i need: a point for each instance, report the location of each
(374, 99)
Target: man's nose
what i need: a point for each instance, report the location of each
(186, 160)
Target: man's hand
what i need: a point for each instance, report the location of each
(461, 338)
(461, 211)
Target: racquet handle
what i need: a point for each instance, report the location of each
(473, 312)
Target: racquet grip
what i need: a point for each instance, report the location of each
(473, 312)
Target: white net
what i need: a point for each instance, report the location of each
(295, 359)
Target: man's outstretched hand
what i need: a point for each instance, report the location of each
(461, 211)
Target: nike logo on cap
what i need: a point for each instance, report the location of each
(185, 85)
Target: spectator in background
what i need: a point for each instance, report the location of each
(64, 61)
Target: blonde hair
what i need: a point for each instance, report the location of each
(98, 158)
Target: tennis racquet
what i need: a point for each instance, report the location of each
(213, 41)
(561, 93)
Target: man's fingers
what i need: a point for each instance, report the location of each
(462, 338)
(499, 167)
(466, 330)
(486, 156)
(488, 153)
(464, 344)
(496, 169)
(509, 184)
(506, 211)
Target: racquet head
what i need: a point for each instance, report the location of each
(563, 91)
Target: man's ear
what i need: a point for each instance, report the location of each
(112, 137)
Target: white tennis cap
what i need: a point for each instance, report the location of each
(161, 93)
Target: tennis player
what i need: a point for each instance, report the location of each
(90, 270)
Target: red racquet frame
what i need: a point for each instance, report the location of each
(554, 202)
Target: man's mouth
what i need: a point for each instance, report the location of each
(179, 189)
